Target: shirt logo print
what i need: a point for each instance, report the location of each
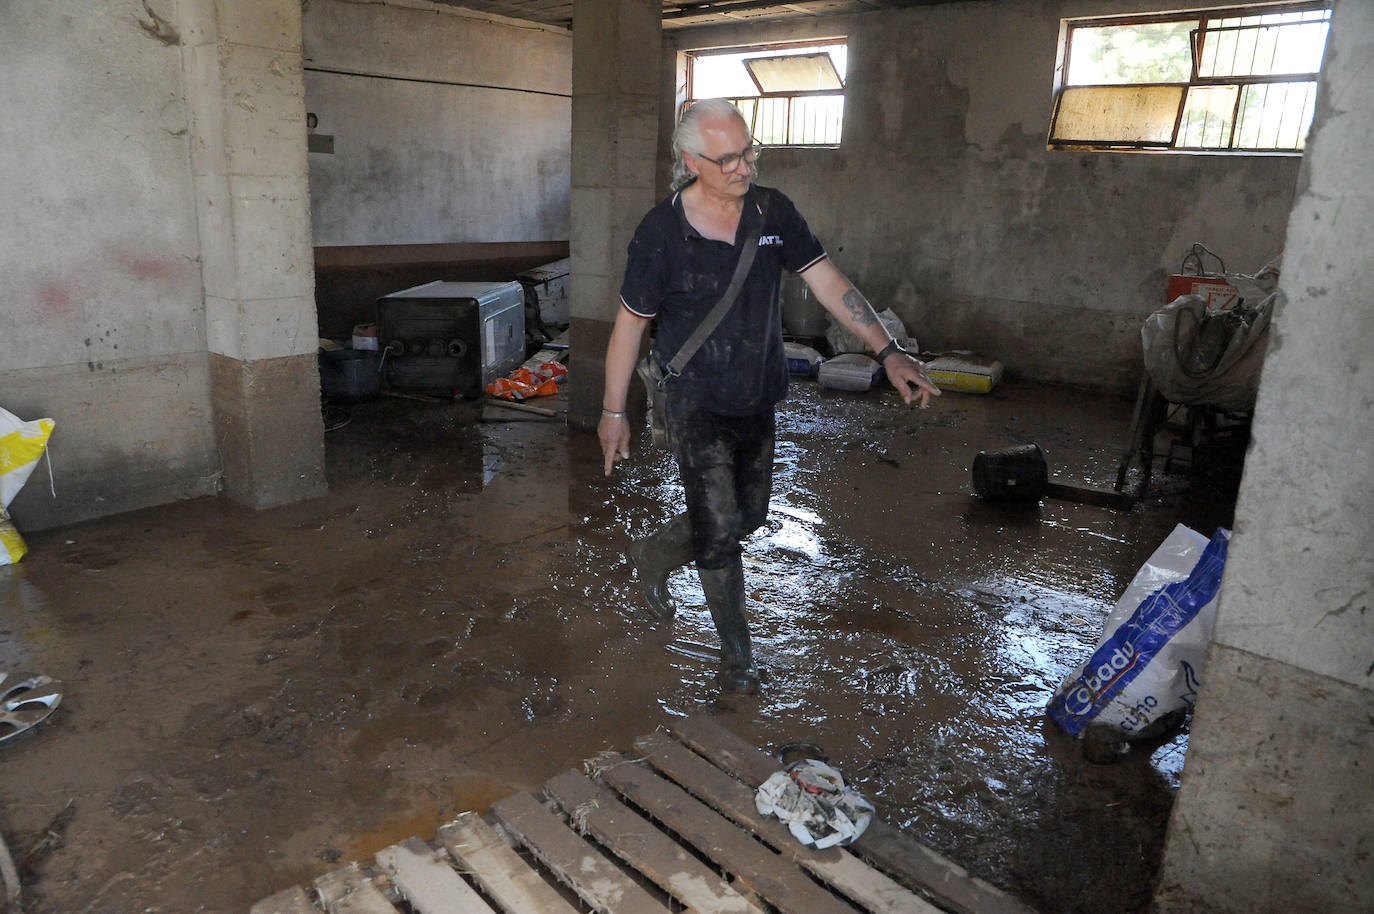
(766, 240)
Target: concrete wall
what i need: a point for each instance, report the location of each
(1274, 811)
(615, 118)
(248, 158)
(156, 291)
(943, 203)
(102, 322)
(457, 130)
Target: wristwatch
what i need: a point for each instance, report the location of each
(891, 347)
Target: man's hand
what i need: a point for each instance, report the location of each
(906, 372)
(615, 440)
(853, 312)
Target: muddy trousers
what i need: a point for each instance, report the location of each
(726, 465)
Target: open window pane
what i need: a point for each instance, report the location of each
(1262, 50)
(1237, 79)
(1117, 114)
(791, 95)
(798, 73)
(1207, 118)
(1276, 115)
(1153, 52)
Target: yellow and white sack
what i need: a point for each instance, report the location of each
(21, 446)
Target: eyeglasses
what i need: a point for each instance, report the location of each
(731, 162)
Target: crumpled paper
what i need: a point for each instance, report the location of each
(810, 798)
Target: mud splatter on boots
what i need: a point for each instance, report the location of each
(724, 589)
(659, 555)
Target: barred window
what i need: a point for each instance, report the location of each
(1238, 79)
(791, 95)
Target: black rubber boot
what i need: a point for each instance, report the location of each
(724, 589)
(659, 555)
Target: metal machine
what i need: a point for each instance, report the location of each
(451, 338)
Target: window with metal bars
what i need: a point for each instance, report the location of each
(1237, 79)
(790, 95)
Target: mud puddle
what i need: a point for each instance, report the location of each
(255, 698)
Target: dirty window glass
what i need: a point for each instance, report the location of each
(794, 73)
(791, 95)
(1239, 79)
(1115, 114)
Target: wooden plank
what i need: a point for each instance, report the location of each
(427, 882)
(776, 880)
(292, 901)
(596, 880)
(519, 407)
(1089, 495)
(350, 891)
(882, 845)
(630, 837)
(499, 870)
(842, 871)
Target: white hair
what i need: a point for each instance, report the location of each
(687, 136)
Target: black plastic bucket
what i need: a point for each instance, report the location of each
(350, 375)
(1014, 473)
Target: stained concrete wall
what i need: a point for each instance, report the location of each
(1274, 809)
(102, 323)
(943, 202)
(248, 157)
(615, 120)
(447, 126)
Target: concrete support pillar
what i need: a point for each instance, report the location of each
(242, 62)
(616, 48)
(1274, 809)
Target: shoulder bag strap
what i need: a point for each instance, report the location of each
(713, 319)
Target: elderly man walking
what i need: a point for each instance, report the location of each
(720, 406)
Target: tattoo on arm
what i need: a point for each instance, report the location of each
(859, 308)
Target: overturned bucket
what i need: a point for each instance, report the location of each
(350, 375)
(1012, 473)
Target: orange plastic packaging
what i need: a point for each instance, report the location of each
(523, 383)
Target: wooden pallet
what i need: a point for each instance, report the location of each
(670, 828)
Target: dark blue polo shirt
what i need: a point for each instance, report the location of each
(677, 276)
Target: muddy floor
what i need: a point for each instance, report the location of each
(255, 698)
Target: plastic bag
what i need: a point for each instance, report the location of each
(964, 371)
(842, 341)
(1197, 354)
(801, 360)
(12, 545)
(21, 445)
(810, 798)
(523, 383)
(850, 371)
(1146, 664)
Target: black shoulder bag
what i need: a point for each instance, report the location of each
(656, 377)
